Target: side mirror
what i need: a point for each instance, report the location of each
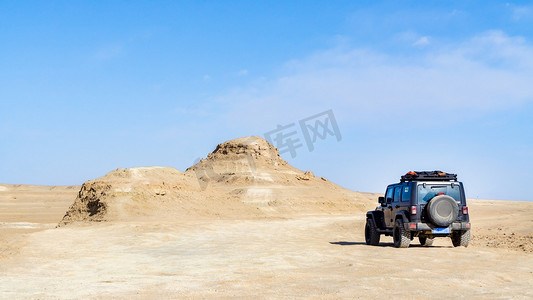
(381, 200)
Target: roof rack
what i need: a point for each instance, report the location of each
(428, 176)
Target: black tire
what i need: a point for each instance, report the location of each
(401, 237)
(442, 210)
(425, 241)
(461, 238)
(371, 233)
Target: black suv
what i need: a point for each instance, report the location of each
(424, 205)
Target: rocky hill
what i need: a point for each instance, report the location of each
(241, 178)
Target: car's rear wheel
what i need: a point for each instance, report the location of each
(461, 238)
(401, 237)
(425, 241)
(371, 233)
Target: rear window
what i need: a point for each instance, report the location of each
(406, 194)
(431, 190)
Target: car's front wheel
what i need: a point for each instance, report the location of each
(371, 233)
(401, 237)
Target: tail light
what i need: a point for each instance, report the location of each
(465, 210)
(414, 210)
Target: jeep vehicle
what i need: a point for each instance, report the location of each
(426, 205)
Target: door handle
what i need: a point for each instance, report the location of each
(397, 206)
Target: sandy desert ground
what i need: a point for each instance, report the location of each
(272, 232)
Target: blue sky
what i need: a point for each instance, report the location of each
(90, 86)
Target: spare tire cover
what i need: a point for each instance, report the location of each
(442, 210)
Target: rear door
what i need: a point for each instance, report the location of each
(396, 202)
(387, 212)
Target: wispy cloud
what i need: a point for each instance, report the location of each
(422, 41)
(487, 72)
(519, 13)
(108, 52)
(117, 48)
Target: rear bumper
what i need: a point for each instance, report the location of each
(413, 226)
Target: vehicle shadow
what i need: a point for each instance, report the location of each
(345, 243)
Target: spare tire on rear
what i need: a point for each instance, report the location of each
(442, 210)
